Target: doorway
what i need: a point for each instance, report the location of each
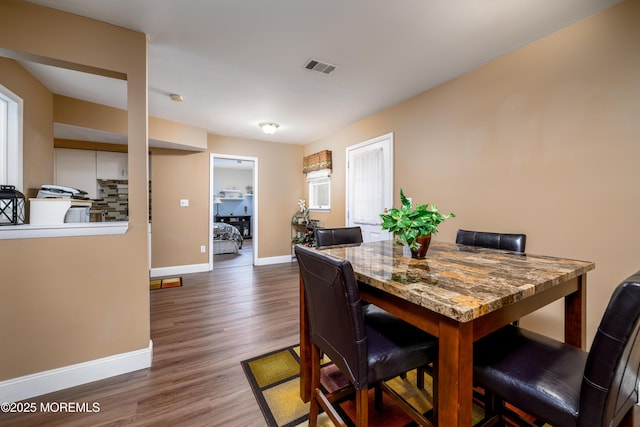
(233, 231)
(370, 185)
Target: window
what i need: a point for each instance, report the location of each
(319, 190)
(10, 138)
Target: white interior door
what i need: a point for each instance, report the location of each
(370, 185)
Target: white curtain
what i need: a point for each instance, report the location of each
(367, 196)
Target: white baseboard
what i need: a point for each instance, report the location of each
(177, 270)
(274, 260)
(21, 388)
(200, 268)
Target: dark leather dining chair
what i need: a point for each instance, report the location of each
(368, 350)
(486, 239)
(329, 237)
(563, 385)
(337, 236)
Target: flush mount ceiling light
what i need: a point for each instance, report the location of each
(176, 98)
(269, 127)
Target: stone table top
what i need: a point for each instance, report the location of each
(458, 281)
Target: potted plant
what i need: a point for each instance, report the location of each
(413, 227)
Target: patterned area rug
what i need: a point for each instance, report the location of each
(274, 379)
(172, 282)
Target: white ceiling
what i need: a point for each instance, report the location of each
(241, 62)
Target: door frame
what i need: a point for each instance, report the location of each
(389, 165)
(254, 219)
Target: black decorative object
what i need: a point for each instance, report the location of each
(12, 206)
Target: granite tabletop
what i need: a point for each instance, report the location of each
(458, 281)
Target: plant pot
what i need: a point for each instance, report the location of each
(424, 242)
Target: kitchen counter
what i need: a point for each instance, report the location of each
(39, 231)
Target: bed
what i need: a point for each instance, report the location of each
(226, 239)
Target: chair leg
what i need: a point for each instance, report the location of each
(362, 408)
(408, 409)
(329, 409)
(377, 392)
(493, 410)
(420, 373)
(315, 386)
(631, 417)
(434, 389)
(433, 371)
(318, 399)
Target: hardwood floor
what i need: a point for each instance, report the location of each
(243, 257)
(200, 334)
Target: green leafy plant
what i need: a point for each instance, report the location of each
(407, 224)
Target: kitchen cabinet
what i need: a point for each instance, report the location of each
(112, 165)
(76, 168)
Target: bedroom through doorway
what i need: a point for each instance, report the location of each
(233, 229)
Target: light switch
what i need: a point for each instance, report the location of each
(184, 202)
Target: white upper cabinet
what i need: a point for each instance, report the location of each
(112, 165)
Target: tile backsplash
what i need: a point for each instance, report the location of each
(115, 199)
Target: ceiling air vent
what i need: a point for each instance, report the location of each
(321, 67)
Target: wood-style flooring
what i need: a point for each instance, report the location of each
(243, 257)
(200, 334)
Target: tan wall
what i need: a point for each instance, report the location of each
(95, 116)
(181, 136)
(37, 128)
(90, 115)
(544, 141)
(71, 300)
(179, 232)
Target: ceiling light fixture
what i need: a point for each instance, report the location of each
(176, 98)
(269, 128)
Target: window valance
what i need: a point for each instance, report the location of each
(317, 161)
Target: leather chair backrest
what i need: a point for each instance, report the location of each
(485, 239)
(336, 319)
(338, 236)
(610, 382)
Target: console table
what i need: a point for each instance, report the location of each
(241, 222)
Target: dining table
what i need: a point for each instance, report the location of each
(459, 294)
